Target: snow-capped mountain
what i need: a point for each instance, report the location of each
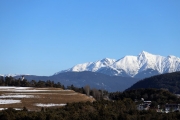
(12, 75)
(143, 65)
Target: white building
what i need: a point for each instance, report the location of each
(144, 106)
(172, 107)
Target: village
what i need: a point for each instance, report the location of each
(168, 107)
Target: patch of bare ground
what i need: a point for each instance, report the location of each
(43, 96)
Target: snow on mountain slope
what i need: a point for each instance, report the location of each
(91, 66)
(8, 75)
(12, 75)
(171, 64)
(150, 61)
(131, 65)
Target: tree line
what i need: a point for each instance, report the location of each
(10, 81)
(97, 94)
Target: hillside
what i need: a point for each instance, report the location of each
(34, 98)
(93, 79)
(169, 81)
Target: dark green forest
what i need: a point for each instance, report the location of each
(100, 110)
(168, 81)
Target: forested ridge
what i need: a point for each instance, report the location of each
(169, 81)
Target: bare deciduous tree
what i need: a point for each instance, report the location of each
(96, 94)
(87, 89)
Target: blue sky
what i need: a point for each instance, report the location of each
(42, 37)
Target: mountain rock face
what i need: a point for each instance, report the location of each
(141, 66)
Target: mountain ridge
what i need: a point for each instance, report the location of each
(141, 66)
(131, 66)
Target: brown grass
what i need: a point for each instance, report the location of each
(54, 95)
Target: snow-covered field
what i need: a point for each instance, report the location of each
(9, 101)
(3, 108)
(27, 89)
(49, 105)
(16, 96)
(13, 108)
(12, 87)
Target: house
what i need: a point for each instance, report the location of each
(145, 105)
(172, 107)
